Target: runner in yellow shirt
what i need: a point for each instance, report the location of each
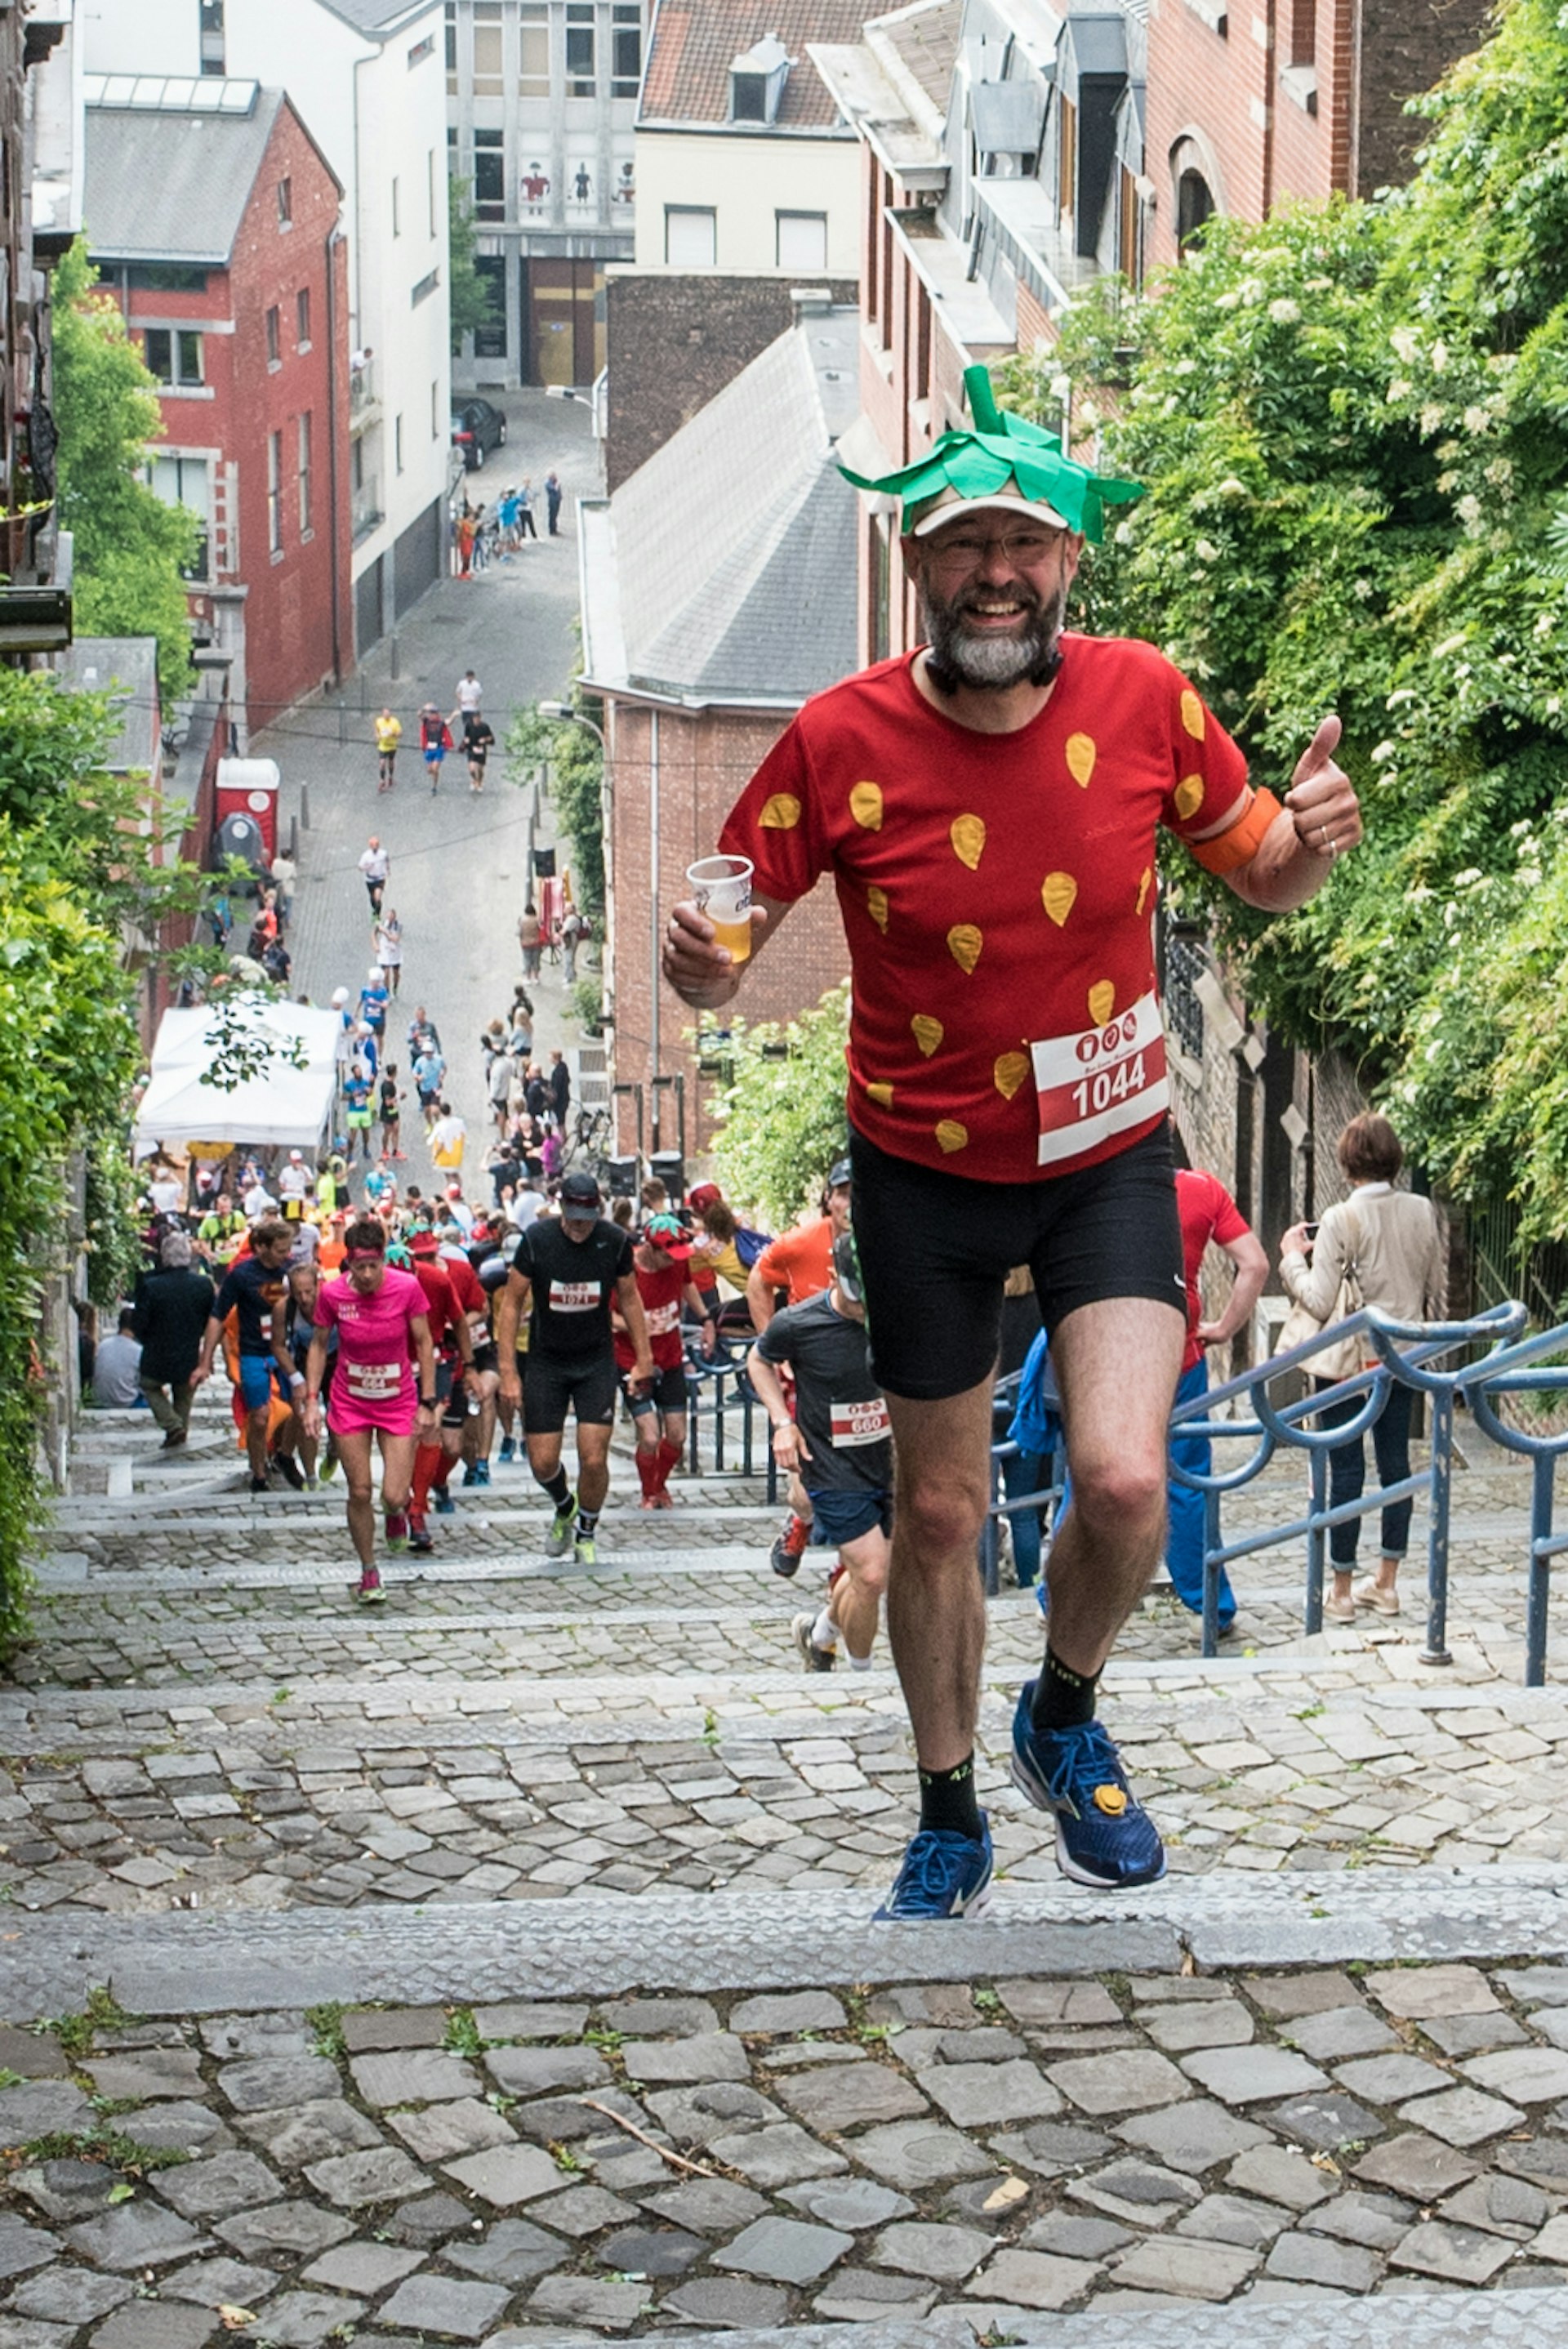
(388, 734)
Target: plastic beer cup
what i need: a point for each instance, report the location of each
(721, 888)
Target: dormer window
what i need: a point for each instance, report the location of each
(757, 81)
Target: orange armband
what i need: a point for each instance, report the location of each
(1227, 851)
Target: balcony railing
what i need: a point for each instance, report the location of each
(364, 391)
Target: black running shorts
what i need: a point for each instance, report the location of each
(935, 1248)
(667, 1393)
(552, 1390)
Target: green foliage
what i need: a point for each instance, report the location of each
(326, 2029)
(128, 545)
(472, 302)
(1354, 424)
(575, 765)
(781, 1116)
(102, 2012)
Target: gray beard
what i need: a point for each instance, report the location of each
(989, 664)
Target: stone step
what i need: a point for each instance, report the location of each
(1308, 2319)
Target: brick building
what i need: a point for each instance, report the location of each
(40, 210)
(213, 218)
(718, 592)
(1250, 107)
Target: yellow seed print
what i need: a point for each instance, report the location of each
(1189, 795)
(881, 1094)
(1144, 886)
(1102, 1000)
(952, 1135)
(967, 833)
(876, 905)
(1192, 714)
(963, 943)
(928, 1033)
(1009, 1072)
(1080, 757)
(781, 812)
(866, 806)
(1059, 895)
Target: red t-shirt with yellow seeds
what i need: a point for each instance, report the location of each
(997, 890)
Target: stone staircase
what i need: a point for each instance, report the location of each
(500, 1966)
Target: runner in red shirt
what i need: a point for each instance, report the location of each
(454, 1366)
(661, 1262)
(1208, 1214)
(799, 1262)
(989, 808)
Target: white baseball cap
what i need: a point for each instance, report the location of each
(947, 505)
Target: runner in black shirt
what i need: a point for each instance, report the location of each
(840, 1444)
(571, 1270)
(478, 738)
(256, 1290)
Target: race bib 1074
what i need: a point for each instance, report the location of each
(575, 1296)
(1098, 1083)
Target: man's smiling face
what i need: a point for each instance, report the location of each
(992, 593)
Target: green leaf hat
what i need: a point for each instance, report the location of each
(998, 451)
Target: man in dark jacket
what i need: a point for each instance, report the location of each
(171, 1309)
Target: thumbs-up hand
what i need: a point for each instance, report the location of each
(1322, 799)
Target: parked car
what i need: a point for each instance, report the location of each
(477, 428)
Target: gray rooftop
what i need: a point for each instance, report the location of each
(378, 19)
(172, 184)
(126, 668)
(759, 603)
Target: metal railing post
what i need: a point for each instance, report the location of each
(991, 1534)
(1317, 1469)
(1543, 1480)
(1442, 1453)
(1211, 1644)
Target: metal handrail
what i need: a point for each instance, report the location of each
(1406, 1353)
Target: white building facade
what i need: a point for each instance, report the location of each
(541, 97)
(366, 75)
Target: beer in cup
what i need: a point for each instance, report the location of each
(721, 888)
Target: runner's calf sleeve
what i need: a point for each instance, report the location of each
(558, 1486)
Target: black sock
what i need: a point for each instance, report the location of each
(947, 1801)
(559, 1488)
(1063, 1698)
(587, 1521)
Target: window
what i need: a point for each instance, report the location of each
(451, 48)
(489, 175)
(1067, 160)
(430, 187)
(580, 66)
(421, 50)
(165, 277)
(801, 240)
(396, 206)
(1194, 205)
(305, 523)
(212, 36)
(490, 340)
(532, 50)
(397, 444)
(626, 48)
(487, 49)
(748, 98)
(691, 236)
(285, 203)
(182, 482)
(302, 317)
(1129, 231)
(425, 288)
(174, 356)
(275, 492)
(275, 339)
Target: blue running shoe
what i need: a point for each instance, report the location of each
(508, 1450)
(943, 1874)
(444, 1505)
(1104, 1837)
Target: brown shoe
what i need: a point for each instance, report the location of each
(1371, 1593)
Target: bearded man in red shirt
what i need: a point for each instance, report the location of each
(988, 808)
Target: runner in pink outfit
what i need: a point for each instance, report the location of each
(382, 1333)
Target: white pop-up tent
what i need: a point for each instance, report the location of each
(282, 1105)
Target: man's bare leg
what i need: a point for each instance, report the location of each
(1117, 1364)
(592, 1468)
(935, 1608)
(856, 1597)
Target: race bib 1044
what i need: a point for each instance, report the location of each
(859, 1422)
(575, 1296)
(1100, 1082)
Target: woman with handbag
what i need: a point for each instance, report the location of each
(1381, 1248)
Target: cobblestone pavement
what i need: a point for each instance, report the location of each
(997, 2147)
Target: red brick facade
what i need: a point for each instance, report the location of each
(274, 431)
(704, 761)
(1259, 105)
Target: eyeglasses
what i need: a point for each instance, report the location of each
(1025, 550)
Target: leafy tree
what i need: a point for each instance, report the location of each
(1354, 424)
(128, 545)
(472, 299)
(783, 1120)
(576, 769)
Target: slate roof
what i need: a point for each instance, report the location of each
(378, 19)
(758, 603)
(926, 39)
(167, 184)
(693, 43)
